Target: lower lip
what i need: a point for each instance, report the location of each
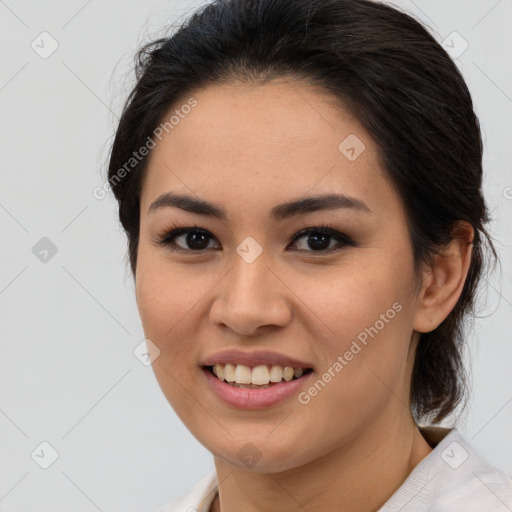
(253, 398)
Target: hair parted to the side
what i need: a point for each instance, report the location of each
(382, 65)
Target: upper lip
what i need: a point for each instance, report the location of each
(254, 358)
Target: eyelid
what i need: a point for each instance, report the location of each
(174, 231)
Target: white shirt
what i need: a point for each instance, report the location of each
(451, 478)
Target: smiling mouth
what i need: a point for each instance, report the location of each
(256, 377)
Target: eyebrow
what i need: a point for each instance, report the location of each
(279, 212)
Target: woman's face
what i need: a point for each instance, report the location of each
(344, 307)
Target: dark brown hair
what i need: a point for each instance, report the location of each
(394, 77)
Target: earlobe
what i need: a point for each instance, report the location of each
(444, 281)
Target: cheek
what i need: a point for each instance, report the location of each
(167, 315)
(346, 303)
(165, 310)
(366, 318)
(163, 297)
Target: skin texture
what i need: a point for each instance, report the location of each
(248, 148)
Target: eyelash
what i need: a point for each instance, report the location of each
(166, 239)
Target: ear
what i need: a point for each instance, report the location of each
(443, 282)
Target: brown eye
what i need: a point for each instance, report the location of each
(193, 240)
(318, 239)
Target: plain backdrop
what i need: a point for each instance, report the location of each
(69, 323)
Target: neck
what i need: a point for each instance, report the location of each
(372, 465)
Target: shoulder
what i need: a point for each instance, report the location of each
(453, 477)
(468, 481)
(196, 499)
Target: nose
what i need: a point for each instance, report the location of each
(252, 298)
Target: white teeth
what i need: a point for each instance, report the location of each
(288, 373)
(261, 375)
(276, 374)
(229, 372)
(218, 370)
(243, 374)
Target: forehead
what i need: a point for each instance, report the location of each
(263, 143)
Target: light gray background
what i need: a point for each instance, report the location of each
(68, 375)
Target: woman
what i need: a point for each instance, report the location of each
(300, 184)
